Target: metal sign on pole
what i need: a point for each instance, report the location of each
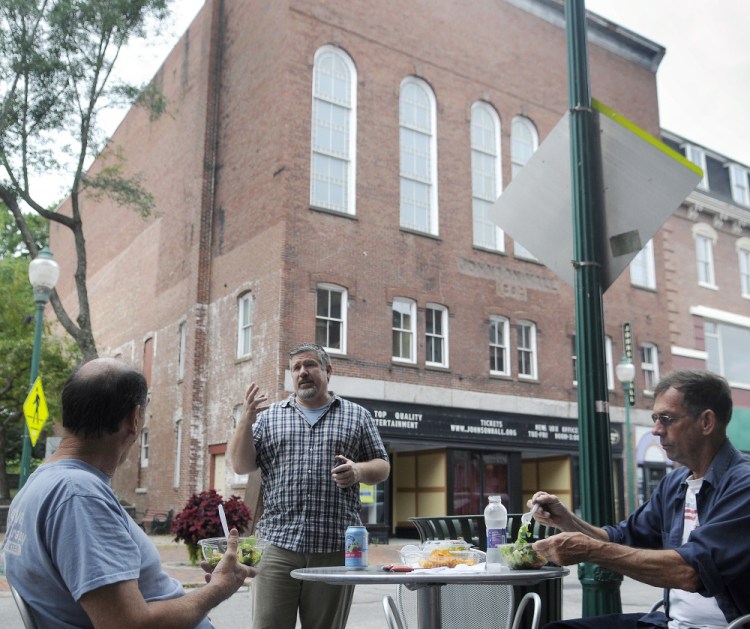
(643, 181)
(35, 410)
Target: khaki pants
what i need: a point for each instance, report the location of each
(277, 596)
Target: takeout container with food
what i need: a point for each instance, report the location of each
(249, 550)
(520, 556)
(447, 553)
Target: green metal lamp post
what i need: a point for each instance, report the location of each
(601, 587)
(43, 275)
(626, 374)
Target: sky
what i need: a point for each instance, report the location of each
(703, 81)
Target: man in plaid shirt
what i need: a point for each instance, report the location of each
(313, 449)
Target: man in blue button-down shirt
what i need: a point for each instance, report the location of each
(691, 536)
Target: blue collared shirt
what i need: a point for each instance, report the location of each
(303, 509)
(719, 549)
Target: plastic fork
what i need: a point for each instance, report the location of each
(526, 517)
(223, 518)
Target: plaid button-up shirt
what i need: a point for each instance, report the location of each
(303, 510)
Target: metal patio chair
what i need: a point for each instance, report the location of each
(471, 605)
(23, 609)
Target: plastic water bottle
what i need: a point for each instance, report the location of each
(496, 521)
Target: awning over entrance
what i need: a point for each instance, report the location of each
(739, 429)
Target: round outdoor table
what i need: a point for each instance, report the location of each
(426, 583)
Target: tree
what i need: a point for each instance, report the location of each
(56, 63)
(16, 344)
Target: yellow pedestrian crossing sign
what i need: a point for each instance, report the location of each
(35, 410)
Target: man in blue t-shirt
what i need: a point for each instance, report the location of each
(71, 551)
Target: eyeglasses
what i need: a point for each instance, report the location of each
(666, 420)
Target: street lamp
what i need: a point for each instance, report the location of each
(43, 274)
(626, 374)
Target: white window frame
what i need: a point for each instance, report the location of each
(334, 112)
(486, 175)
(743, 261)
(245, 325)
(436, 337)
(725, 331)
(642, 268)
(182, 350)
(144, 447)
(520, 153)
(405, 334)
(649, 367)
(328, 319)
(526, 351)
(697, 155)
(609, 369)
(738, 178)
(417, 132)
(705, 238)
(501, 345)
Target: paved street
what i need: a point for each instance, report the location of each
(367, 610)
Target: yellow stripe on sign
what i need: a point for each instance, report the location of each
(645, 135)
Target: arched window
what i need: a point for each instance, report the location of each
(418, 157)
(334, 131)
(486, 179)
(524, 140)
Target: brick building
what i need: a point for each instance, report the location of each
(324, 173)
(706, 280)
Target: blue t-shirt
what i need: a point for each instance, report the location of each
(67, 535)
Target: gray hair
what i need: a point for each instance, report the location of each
(323, 357)
(700, 390)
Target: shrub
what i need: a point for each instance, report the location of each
(200, 519)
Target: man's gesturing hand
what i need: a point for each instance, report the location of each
(254, 403)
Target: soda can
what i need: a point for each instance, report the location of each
(355, 547)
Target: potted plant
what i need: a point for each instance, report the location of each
(200, 519)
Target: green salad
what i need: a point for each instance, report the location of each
(247, 553)
(521, 555)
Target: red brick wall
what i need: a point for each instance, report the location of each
(144, 274)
